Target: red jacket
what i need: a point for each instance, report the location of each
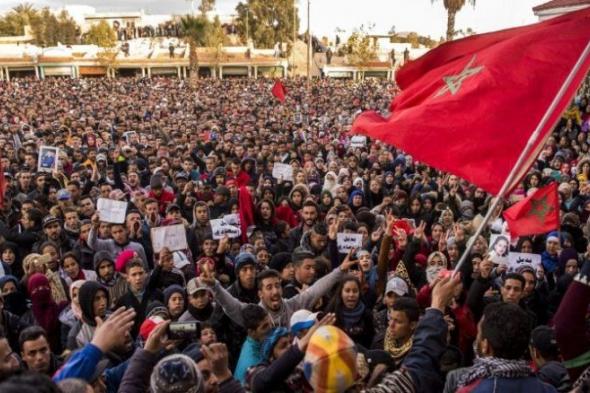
(165, 198)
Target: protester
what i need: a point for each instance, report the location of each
(273, 286)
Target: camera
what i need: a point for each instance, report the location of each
(184, 330)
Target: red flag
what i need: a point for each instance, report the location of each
(537, 213)
(246, 211)
(279, 91)
(470, 106)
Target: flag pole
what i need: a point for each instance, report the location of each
(524, 155)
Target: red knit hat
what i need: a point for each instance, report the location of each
(122, 259)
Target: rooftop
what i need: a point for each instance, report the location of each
(561, 4)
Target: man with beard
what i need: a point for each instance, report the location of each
(309, 216)
(53, 231)
(270, 292)
(113, 281)
(502, 339)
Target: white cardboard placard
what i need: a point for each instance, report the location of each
(220, 228)
(111, 210)
(518, 259)
(348, 241)
(172, 236)
(284, 170)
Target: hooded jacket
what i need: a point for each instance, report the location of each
(86, 296)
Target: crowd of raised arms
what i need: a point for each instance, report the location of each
(327, 272)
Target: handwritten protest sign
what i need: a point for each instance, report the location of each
(173, 237)
(111, 210)
(519, 259)
(232, 219)
(348, 241)
(358, 141)
(284, 170)
(220, 227)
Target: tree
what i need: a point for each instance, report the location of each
(105, 37)
(47, 29)
(206, 6)
(193, 29)
(101, 34)
(267, 22)
(360, 49)
(453, 7)
(13, 24)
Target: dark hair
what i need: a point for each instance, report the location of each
(31, 333)
(263, 275)
(134, 262)
(507, 328)
(409, 306)
(29, 382)
(320, 228)
(515, 276)
(70, 254)
(544, 341)
(73, 385)
(253, 315)
(149, 201)
(336, 305)
(309, 202)
(36, 216)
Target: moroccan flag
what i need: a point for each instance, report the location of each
(470, 106)
(279, 91)
(537, 213)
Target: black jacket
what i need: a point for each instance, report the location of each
(129, 300)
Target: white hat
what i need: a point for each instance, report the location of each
(398, 286)
(302, 319)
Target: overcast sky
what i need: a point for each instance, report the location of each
(326, 15)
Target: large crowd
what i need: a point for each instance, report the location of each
(281, 302)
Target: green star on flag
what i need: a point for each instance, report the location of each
(537, 213)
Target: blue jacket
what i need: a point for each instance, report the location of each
(81, 365)
(506, 385)
(250, 355)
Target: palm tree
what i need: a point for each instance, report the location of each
(453, 7)
(193, 30)
(21, 16)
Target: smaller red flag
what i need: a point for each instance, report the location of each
(537, 213)
(279, 91)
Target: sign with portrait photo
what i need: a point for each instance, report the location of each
(48, 159)
(499, 249)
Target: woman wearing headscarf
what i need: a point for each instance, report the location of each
(71, 317)
(45, 311)
(10, 261)
(330, 183)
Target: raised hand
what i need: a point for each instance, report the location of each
(348, 261)
(113, 332)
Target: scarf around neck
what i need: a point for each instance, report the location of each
(492, 367)
(351, 317)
